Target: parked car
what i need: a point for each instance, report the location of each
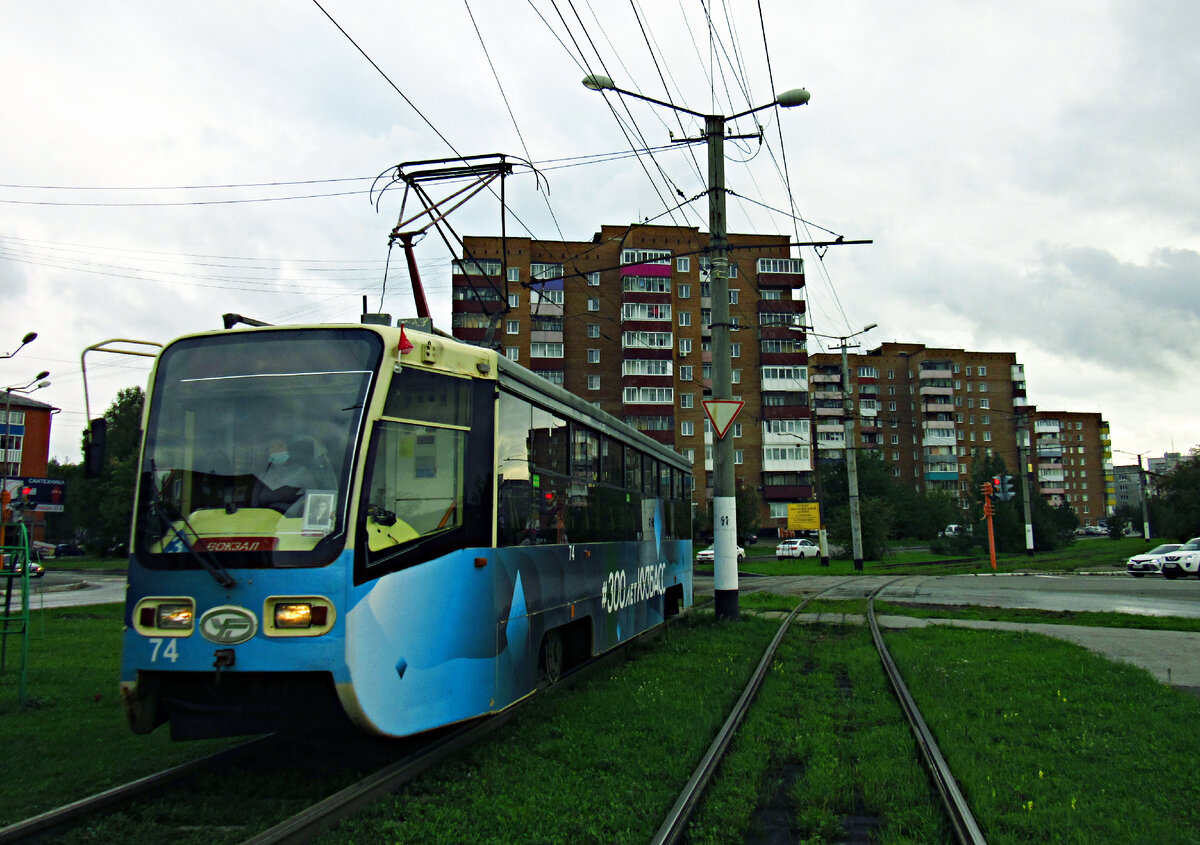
(708, 555)
(800, 548)
(1183, 561)
(955, 531)
(1149, 562)
(11, 564)
(748, 539)
(67, 550)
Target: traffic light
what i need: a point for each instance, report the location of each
(1004, 488)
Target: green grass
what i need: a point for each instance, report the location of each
(1063, 617)
(1052, 743)
(72, 740)
(86, 563)
(1101, 554)
(601, 763)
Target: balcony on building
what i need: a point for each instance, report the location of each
(927, 390)
(1047, 427)
(939, 370)
(940, 473)
(936, 405)
(780, 272)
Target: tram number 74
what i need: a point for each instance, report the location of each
(171, 652)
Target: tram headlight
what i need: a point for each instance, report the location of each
(300, 616)
(169, 616)
(175, 617)
(293, 615)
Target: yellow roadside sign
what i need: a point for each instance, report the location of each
(804, 516)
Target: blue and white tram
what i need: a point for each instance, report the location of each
(386, 525)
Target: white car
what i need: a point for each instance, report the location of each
(1149, 562)
(707, 555)
(1182, 562)
(800, 548)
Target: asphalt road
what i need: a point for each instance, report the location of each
(1173, 657)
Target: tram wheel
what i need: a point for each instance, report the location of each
(550, 659)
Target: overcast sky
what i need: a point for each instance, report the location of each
(1027, 170)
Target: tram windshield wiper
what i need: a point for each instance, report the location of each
(219, 573)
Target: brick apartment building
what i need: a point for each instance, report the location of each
(623, 320)
(25, 442)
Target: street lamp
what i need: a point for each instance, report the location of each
(29, 338)
(725, 574)
(848, 427)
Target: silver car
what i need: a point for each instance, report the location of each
(1149, 562)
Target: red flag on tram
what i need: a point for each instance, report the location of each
(405, 345)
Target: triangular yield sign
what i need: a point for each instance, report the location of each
(721, 413)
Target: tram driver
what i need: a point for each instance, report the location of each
(286, 477)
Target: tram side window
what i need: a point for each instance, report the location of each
(417, 483)
(532, 456)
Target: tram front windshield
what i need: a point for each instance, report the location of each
(250, 445)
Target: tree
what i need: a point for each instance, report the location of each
(749, 506)
(875, 521)
(102, 508)
(1177, 505)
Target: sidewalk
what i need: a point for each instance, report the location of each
(1173, 657)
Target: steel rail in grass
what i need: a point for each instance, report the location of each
(310, 822)
(959, 811)
(76, 811)
(674, 826)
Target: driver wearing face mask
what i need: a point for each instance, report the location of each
(285, 478)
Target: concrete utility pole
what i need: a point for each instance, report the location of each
(1023, 457)
(848, 433)
(725, 574)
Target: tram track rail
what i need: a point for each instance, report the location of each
(962, 821)
(323, 813)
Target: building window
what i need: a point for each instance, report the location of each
(545, 350)
(512, 327)
(684, 291)
(737, 430)
(895, 439)
(983, 388)
(689, 455)
(733, 296)
(685, 346)
(968, 370)
(593, 303)
(735, 376)
(594, 279)
(685, 372)
(593, 330)
(739, 456)
(593, 356)
(685, 318)
(983, 403)
(513, 353)
(514, 300)
(593, 382)
(982, 372)
(683, 264)
(687, 428)
(514, 274)
(987, 437)
(735, 350)
(687, 400)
